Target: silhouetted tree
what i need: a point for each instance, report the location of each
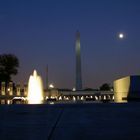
(8, 67)
(105, 87)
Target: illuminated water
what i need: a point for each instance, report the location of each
(35, 89)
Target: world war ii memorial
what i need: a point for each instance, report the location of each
(60, 83)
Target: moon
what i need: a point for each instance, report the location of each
(121, 35)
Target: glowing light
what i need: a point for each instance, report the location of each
(60, 98)
(74, 99)
(121, 35)
(8, 102)
(96, 97)
(82, 98)
(22, 98)
(47, 97)
(8, 89)
(74, 89)
(35, 89)
(51, 86)
(113, 97)
(51, 103)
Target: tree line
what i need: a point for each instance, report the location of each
(9, 65)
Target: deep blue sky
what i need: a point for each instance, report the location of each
(42, 32)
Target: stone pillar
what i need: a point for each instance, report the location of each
(25, 90)
(3, 88)
(18, 90)
(10, 89)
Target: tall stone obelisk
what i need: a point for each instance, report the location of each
(78, 63)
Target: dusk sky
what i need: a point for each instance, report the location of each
(42, 32)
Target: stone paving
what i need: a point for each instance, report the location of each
(95, 121)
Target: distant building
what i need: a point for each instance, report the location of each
(127, 89)
(8, 94)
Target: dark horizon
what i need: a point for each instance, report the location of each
(42, 33)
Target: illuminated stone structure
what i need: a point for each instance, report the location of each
(10, 89)
(25, 91)
(127, 89)
(18, 90)
(3, 88)
(78, 63)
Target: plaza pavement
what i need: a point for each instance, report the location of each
(97, 121)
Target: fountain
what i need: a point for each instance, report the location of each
(35, 89)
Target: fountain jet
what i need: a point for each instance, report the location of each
(35, 89)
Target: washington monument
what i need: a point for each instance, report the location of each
(78, 63)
